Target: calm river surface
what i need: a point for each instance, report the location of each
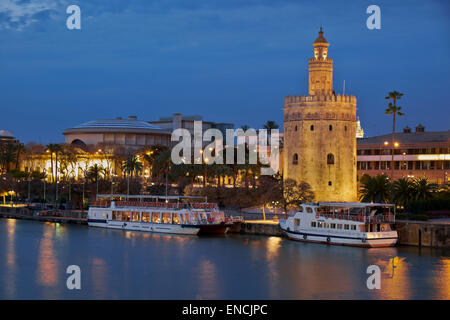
(132, 265)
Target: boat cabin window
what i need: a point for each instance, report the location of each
(309, 209)
(166, 217)
(333, 226)
(115, 215)
(126, 216)
(319, 224)
(339, 226)
(187, 217)
(296, 222)
(326, 225)
(175, 218)
(353, 226)
(346, 226)
(182, 219)
(145, 216)
(194, 217)
(300, 209)
(156, 217)
(313, 224)
(135, 216)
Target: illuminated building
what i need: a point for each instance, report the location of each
(319, 133)
(130, 133)
(416, 154)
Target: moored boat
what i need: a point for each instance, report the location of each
(163, 214)
(352, 224)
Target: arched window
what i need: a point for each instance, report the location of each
(345, 128)
(295, 159)
(330, 158)
(330, 183)
(330, 128)
(312, 127)
(295, 128)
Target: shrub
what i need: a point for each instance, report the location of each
(421, 206)
(419, 217)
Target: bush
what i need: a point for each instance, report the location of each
(419, 217)
(421, 206)
(401, 216)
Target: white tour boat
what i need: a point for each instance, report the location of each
(164, 214)
(352, 224)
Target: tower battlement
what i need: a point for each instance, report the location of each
(320, 97)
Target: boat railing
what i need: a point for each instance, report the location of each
(168, 205)
(378, 218)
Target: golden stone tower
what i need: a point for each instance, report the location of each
(320, 133)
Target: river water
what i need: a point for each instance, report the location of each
(117, 264)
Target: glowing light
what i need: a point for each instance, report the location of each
(433, 157)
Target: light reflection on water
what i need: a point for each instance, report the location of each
(134, 265)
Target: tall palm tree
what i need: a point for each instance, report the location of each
(132, 166)
(94, 172)
(245, 127)
(270, 124)
(395, 111)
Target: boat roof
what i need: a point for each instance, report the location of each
(354, 204)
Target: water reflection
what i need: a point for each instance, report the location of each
(48, 267)
(206, 275)
(99, 277)
(442, 279)
(10, 287)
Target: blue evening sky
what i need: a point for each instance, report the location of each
(227, 60)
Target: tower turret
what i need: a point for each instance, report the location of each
(320, 68)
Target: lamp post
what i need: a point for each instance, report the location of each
(395, 145)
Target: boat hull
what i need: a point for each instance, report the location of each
(218, 228)
(379, 242)
(146, 227)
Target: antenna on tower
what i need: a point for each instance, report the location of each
(343, 91)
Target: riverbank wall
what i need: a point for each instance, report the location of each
(59, 216)
(424, 233)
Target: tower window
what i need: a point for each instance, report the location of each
(330, 158)
(330, 183)
(330, 128)
(312, 127)
(345, 128)
(295, 159)
(295, 128)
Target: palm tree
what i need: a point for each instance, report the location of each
(7, 155)
(131, 166)
(270, 124)
(402, 191)
(395, 111)
(94, 172)
(375, 189)
(422, 189)
(245, 127)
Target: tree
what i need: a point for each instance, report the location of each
(422, 189)
(395, 111)
(295, 193)
(402, 192)
(132, 166)
(8, 155)
(375, 189)
(270, 124)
